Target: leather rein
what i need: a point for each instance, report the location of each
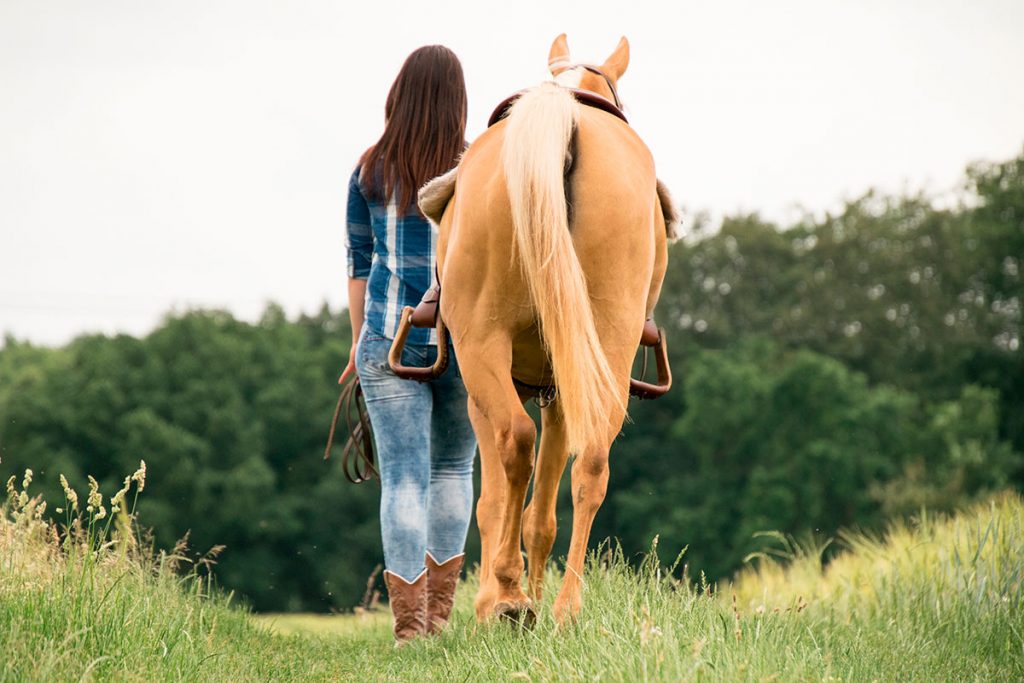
(357, 455)
(607, 79)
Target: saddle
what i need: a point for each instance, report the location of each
(425, 314)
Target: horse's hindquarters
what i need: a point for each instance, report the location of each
(612, 191)
(493, 320)
(613, 197)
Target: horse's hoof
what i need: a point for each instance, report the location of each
(521, 614)
(566, 612)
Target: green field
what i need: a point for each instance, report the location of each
(936, 598)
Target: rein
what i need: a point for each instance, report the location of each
(357, 455)
(607, 80)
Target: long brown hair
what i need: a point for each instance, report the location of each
(424, 130)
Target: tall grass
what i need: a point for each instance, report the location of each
(87, 600)
(936, 598)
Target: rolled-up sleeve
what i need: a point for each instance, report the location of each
(358, 232)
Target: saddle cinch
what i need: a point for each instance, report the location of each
(425, 315)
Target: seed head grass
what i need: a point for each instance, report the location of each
(933, 598)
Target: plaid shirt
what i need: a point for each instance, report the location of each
(395, 253)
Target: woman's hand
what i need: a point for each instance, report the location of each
(356, 300)
(350, 368)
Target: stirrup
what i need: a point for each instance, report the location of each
(645, 390)
(398, 345)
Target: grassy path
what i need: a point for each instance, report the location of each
(940, 600)
(337, 625)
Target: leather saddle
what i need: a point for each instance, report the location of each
(425, 314)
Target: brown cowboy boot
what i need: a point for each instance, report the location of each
(408, 606)
(441, 581)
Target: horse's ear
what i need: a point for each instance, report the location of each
(558, 57)
(616, 65)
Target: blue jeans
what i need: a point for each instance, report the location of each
(425, 448)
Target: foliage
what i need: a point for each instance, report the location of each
(87, 599)
(839, 372)
(796, 441)
(230, 418)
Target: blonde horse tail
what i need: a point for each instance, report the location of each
(537, 137)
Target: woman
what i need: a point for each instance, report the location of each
(425, 443)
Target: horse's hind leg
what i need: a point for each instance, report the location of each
(539, 521)
(589, 485)
(501, 421)
(488, 510)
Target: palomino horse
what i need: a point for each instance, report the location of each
(551, 254)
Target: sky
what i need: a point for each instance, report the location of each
(162, 156)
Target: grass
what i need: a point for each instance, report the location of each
(936, 599)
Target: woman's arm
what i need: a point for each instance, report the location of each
(359, 247)
(356, 304)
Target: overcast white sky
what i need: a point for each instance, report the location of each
(159, 155)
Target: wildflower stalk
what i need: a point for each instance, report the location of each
(140, 477)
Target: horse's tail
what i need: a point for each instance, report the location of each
(537, 137)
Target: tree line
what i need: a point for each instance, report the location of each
(832, 373)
